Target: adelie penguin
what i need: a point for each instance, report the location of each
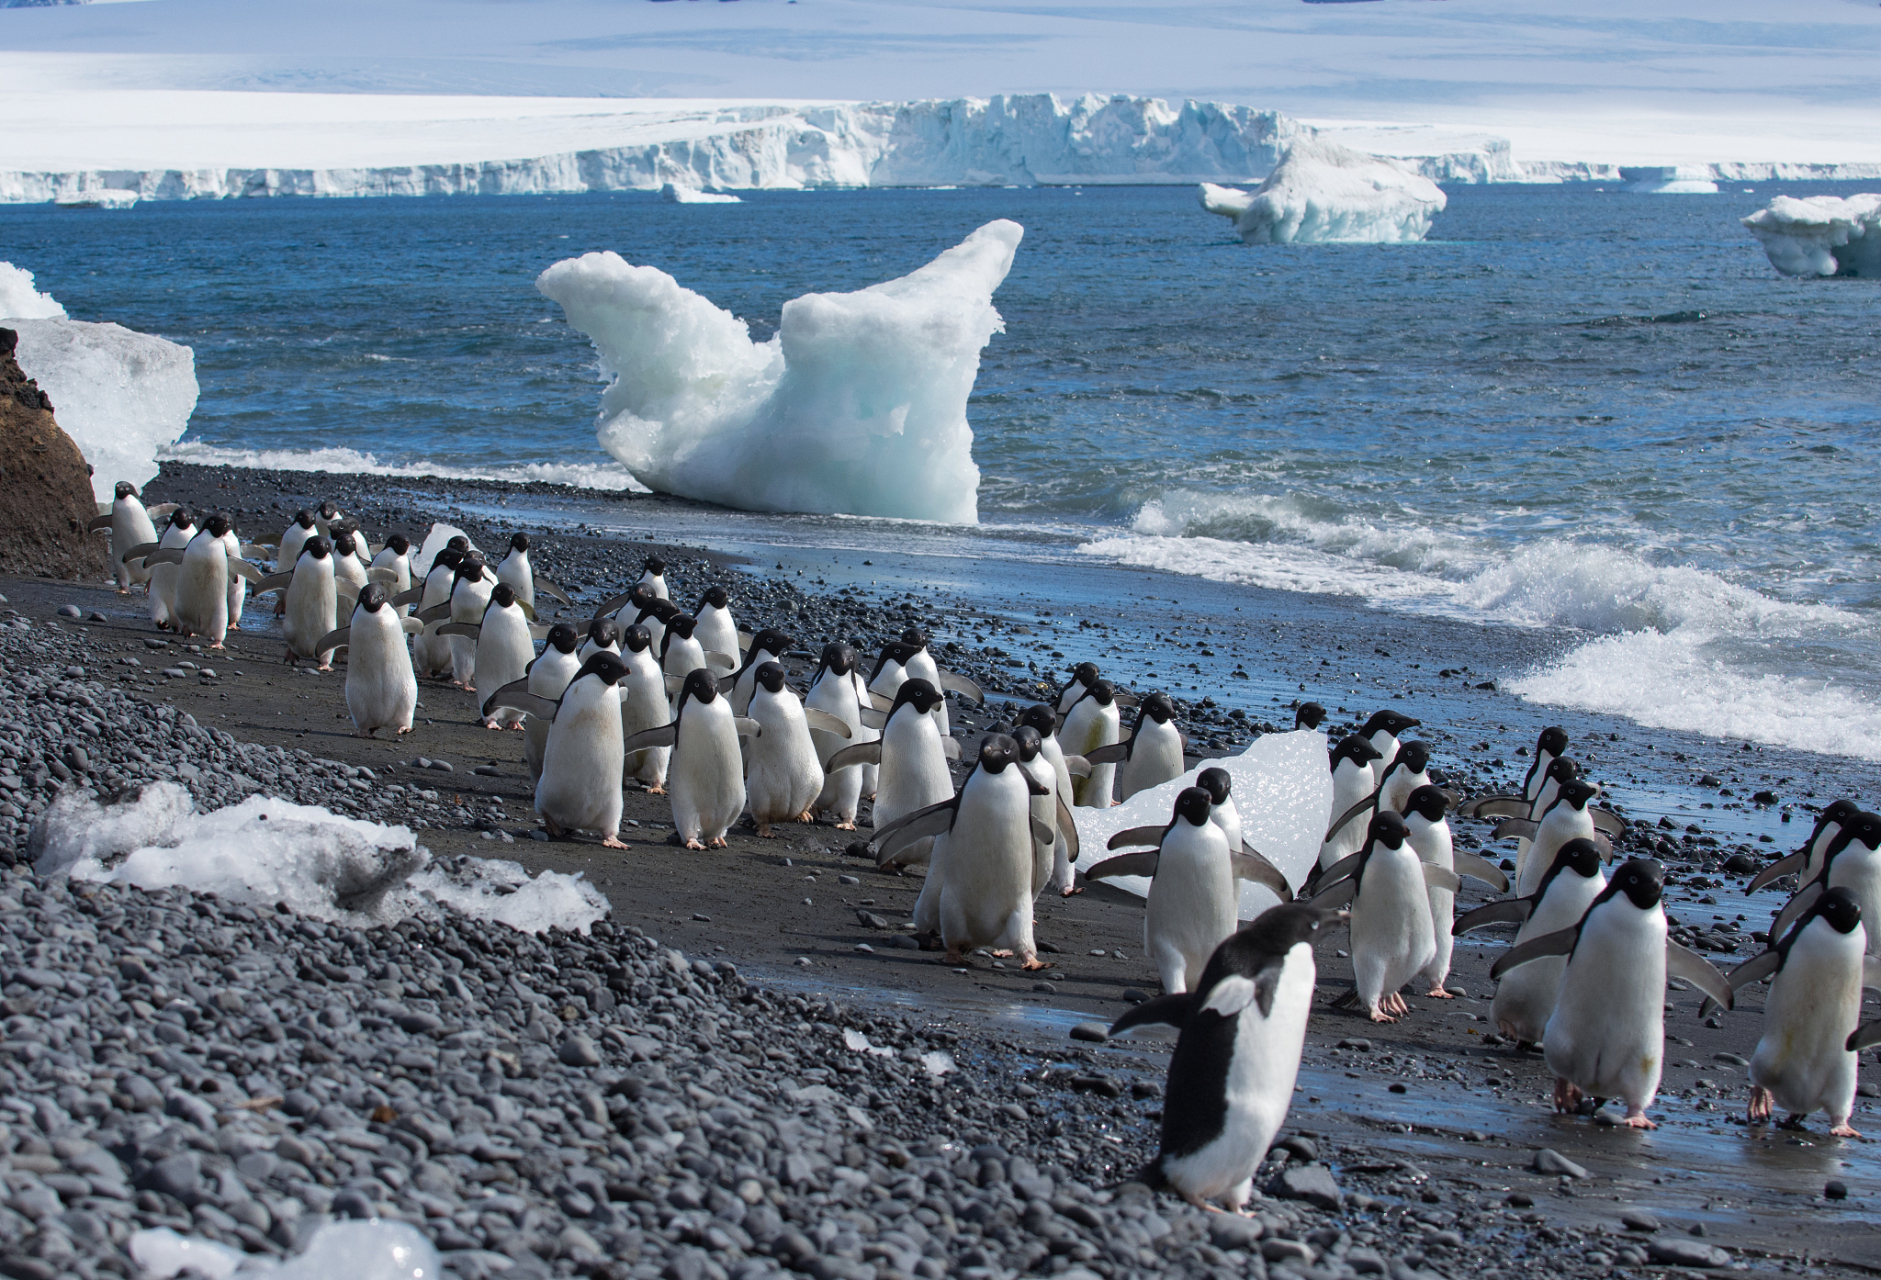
(1606, 1036)
(1044, 721)
(391, 567)
(714, 627)
(547, 677)
(1807, 861)
(1237, 1055)
(1092, 724)
(1525, 995)
(1395, 782)
(431, 652)
(782, 775)
(1353, 784)
(1429, 835)
(767, 645)
(310, 599)
(129, 525)
(381, 688)
(836, 689)
(1852, 861)
(912, 756)
(505, 646)
(1151, 755)
(1308, 716)
(1393, 939)
(519, 576)
(203, 570)
(705, 780)
(1382, 731)
(644, 704)
(580, 786)
(162, 588)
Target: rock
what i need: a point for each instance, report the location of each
(1357, 1046)
(578, 1051)
(1294, 1251)
(1232, 1231)
(46, 498)
(1312, 1183)
(1683, 1251)
(179, 1176)
(1835, 1189)
(70, 611)
(1300, 1147)
(1095, 1032)
(1639, 1220)
(1552, 1162)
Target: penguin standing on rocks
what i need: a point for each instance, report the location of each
(766, 646)
(714, 627)
(1308, 716)
(1152, 754)
(293, 538)
(203, 571)
(580, 786)
(644, 704)
(706, 779)
(238, 578)
(470, 596)
(1807, 861)
(1092, 724)
(1393, 939)
(782, 774)
(1231, 1076)
(1353, 783)
(130, 526)
(391, 567)
(381, 688)
(177, 535)
(1045, 806)
(653, 577)
(1525, 996)
(1429, 833)
(1606, 1036)
(1191, 904)
(349, 575)
(1569, 818)
(912, 756)
(921, 666)
(520, 576)
(834, 691)
(1852, 861)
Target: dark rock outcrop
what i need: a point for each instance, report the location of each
(45, 485)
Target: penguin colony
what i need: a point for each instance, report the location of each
(692, 707)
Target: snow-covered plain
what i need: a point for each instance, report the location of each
(1323, 193)
(1821, 236)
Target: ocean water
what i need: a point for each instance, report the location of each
(1571, 408)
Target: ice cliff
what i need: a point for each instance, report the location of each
(857, 406)
(1323, 193)
(121, 395)
(1821, 236)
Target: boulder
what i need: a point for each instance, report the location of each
(45, 484)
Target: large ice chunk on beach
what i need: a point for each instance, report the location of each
(857, 406)
(1821, 235)
(1323, 193)
(121, 395)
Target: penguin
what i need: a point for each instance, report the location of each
(381, 688)
(470, 596)
(162, 589)
(1044, 721)
(1852, 861)
(1223, 813)
(1352, 785)
(653, 577)
(1807, 861)
(1382, 732)
(301, 528)
(1093, 722)
(130, 526)
(603, 637)
(1308, 716)
(1606, 1036)
(325, 516)
(203, 570)
(1191, 903)
(766, 646)
(978, 891)
(391, 568)
(1151, 755)
(706, 780)
(1541, 788)
(1525, 996)
(1083, 676)
(1550, 745)
(1241, 1032)
(522, 578)
(349, 573)
(649, 611)
(644, 704)
(681, 654)
(1393, 783)
(548, 678)
(920, 665)
(1805, 1060)
(913, 759)
(431, 652)
(238, 579)
(504, 649)
(715, 629)
(1429, 835)
(889, 672)
(310, 601)
(1044, 804)
(833, 690)
(580, 786)
(782, 774)
(1393, 939)
(1567, 819)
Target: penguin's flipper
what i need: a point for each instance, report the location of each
(1606, 821)
(1871, 972)
(514, 686)
(1804, 899)
(436, 613)
(539, 631)
(1777, 870)
(661, 736)
(411, 626)
(1683, 962)
(1151, 837)
(1468, 864)
(744, 638)
(1114, 753)
(1044, 833)
(1251, 865)
(934, 820)
(1125, 698)
(1173, 1011)
(167, 555)
(1507, 911)
(723, 661)
(273, 582)
(1337, 896)
(414, 596)
(382, 575)
(1437, 877)
(828, 723)
(242, 569)
(1755, 969)
(747, 727)
(520, 699)
(1069, 827)
(1558, 943)
(673, 685)
(873, 719)
(333, 640)
(612, 603)
(1077, 766)
(100, 524)
(1125, 864)
(950, 747)
(1605, 846)
(553, 592)
(860, 753)
(470, 629)
(1503, 806)
(161, 510)
(1522, 827)
(961, 685)
(1369, 802)
(1340, 870)
(1862, 1037)
(880, 703)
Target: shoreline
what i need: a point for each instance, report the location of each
(752, 895)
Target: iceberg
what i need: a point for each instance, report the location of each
(673, 194)
(1323, 193)
(1821, 235)
(120, 394)
(1669, 180)
(857, 406)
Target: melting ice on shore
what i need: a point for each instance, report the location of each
(265, 851)
(857, 406)
(1323, 193)
(121, 395)
(371, 1250)
(1822, 235)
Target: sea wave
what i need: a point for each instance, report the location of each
(581, 475)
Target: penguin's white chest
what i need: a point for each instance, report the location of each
(1814, 1002)
(1392, 937)
(1191, 906)
(1607, 1032)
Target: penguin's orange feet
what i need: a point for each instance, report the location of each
(1567, 1096)
(233, 626)
(1638, 1121)
(1002, 955)
(327, 667)
(1071, 889)
(846, 826)
(613, 842)
(218, 645)
(406, 729)
(808, 815)
(696, 843)
(719, 843)
(1761, 1101)
(656, 789)
(491, 724)
(1035, 964)
(1843, 1131)
(517, 725)
(1379, 1015)
(1437, 992)
(764, 830)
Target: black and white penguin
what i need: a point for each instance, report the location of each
(716, 630)
(1238, 1053)
(547, 677)
(1606, 1036)
(580, 786)
(1308, 716)
(1382, 731)
(326, 515)
(644, 704)
(519, 573)
(782, 774)
(653, 577)
(1570, 817)
(1549, 746)
(604, 637)
(381, 689)
(1852, 861)
(505, 648)
(1353, 784)
(1525, 996)
(293, 538)
(706, 779)
(391, 567)
(1192, 900)
(1044, 721)
(470, 596)
(681, 654)
(912, 756)
(1394, 783)
(1428, 831)
(431, 652)
(920, 664)
(311, 601)
(1807, 861)
(349, 575)
(1093, 722)
(1151, 755)
(129, 526)
(1083, 676)
(177, 535)
(768, 645)
(1393, 939)
(204, 570)
(836, 689)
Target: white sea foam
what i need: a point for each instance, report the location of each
(343, 461)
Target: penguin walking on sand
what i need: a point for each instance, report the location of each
(714, 627)
(833, 690)
(471, 587)
(177, 535)
(782, 775)
(1429, 834)
(349, 575)
(431, 652)
(1044, 721)
(1568, 818)
(1353, 784)
(310, 602)
(238, 578)
(1807, 861)
(1084, 678)
(644, 704)
(580, 786)
(1852, 861)
(547, 678)
(766, 646)
(505, 647)
(203, 571)
(912, 759)
(920, 665)
(1606, 1036)
(1046, 807)
(1092, 724)
(1393, 939)
(1152, 754)
(1392, 785)
(681, 654)
(706, 780)
(1191, 903)
(653, 577)
(1525, 996)
(883, 682)
(391, 567)
(1242, 1029)
(130, 526)
(381, 688)
(1223, 813)
(293, 538)
(1806, 1058)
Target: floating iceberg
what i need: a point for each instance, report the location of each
(691, 195)
(857, 406)
(98, 198)
(1822, 235)
(1669, 180)
(121, 395)
(1323, 193)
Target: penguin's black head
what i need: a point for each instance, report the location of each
(1413, 757)
(1040, 718)
(606, 665)
(1275, 932)
(920, 695)
(838, 658)
(126, 489)
(563, 638)
(1085, 673)
(1428, 803)
(217, 526)
(715, 596)
(996, 752)
(449, 558)
(1840, 907)
(1641, 880)
(894, 651)
(1578, 792)
(634, 638)
(304, 518)
(503, 595)
(317, 547)
(655, 566)
(1392, 722)
(1030, 744)
(700, 686)
(1103, 693)
(1563, 770)
(1388, 829)
(458, 542)
(770, 676)
(664, 610)
(1581, 856)
(1193, 804)
(914, 638)
(1553, 741)
(1157, 707)
(470, 568)
(343, 543)
(1863, 828)
(399, 543)
(1309, 716)
(328, 511)
(348, 525)
(1355, 749)
(372, 597)
(681, 625)
(519, 542)
(770, 641)
(1835, 814)
(604, 633)
(641, 596)
(181, 519)
(1216, 782)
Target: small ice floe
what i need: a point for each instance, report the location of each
(692, 195)
(1669, 180)
(374, 1249)
(937, 1062)
(856, 1042)
(1323, 193)
(1822, 235)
